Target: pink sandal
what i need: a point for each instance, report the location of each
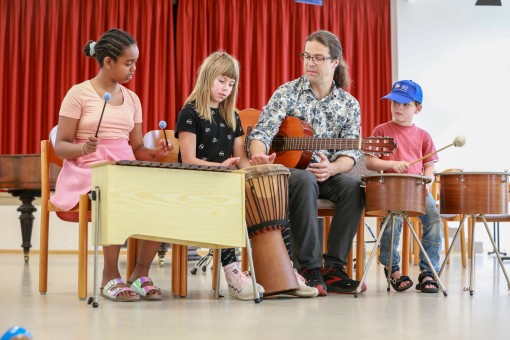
(112, 290)
(144, 291)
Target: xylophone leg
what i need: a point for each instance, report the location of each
(257, 295)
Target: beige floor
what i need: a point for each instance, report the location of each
(375, 315)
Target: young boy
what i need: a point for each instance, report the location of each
(413, 143)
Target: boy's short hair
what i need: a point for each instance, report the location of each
(405, 91)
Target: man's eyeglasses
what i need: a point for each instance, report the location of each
(317, 60)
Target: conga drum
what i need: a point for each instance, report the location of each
(266, 192)
(395, 192)
(473, 192)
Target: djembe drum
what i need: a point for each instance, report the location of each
(266, 215)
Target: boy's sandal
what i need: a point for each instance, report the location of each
(422, 285)
(112, 290)
(144, 291)
(395, 283)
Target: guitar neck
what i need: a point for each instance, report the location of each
(309, 143)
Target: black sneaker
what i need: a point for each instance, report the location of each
(337, 280)
(313, 278)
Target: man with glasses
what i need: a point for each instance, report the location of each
(319, 98)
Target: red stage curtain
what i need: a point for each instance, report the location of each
(42, 57)
(266, 36)
(41, 43)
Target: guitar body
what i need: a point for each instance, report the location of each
(291, 127)
(294, 142)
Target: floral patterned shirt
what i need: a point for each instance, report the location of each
(337, 115)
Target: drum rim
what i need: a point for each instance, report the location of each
(391, 174)
(504, 173)
(275, 169)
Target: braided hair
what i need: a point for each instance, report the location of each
(111, 44)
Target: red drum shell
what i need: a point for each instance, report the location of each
(395, 192)
(473, 192)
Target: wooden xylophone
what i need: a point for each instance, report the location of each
(183, 166)
(167, 202)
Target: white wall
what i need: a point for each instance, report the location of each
(460, 54)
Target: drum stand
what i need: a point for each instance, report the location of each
(393, 214)
(471, 287)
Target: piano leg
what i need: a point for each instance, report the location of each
(26, 217)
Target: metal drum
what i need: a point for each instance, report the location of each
(395, 192)
(473, 192)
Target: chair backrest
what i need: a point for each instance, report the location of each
(53, 158)
(48, 157)
(152, 138)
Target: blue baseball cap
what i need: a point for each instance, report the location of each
(405, 91)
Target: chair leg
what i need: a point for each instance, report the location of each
(378, 231)
(416, 249)
(350, 264)
(179, 270)
(463, 253)
(360, 248)
(406, 249)
(83, 246)
(216, 259)
(446, 239)
(327, 227)
(184, 271)
(132, 254)
(470, 236)
(43, 257)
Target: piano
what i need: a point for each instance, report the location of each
(20, 176)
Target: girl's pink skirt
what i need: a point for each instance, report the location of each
(75, 178)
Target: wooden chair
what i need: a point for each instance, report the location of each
(327, 210)
(80, 213)
(446, 218)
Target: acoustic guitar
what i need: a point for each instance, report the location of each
(294, 143)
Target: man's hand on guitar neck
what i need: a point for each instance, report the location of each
(325, 169)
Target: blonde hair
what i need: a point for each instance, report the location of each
(219, 63)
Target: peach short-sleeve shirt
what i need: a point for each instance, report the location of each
(82, 102)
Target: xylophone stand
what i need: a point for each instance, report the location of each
(393, 214)
(471, 287)
(95, 198)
